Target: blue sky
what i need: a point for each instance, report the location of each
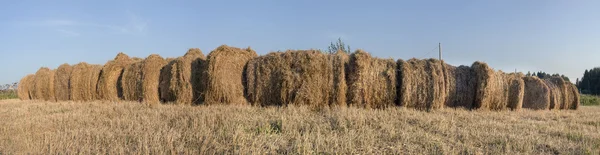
(532, 35)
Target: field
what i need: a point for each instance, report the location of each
(131, 128)
(590, 100)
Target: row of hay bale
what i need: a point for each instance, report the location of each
(230, 75)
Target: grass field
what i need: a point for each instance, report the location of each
(8, 94)
(133, 128)
(590, 100)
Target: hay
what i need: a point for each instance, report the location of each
(151, 67)
(62, 83)
(497, 90)
(302, 77)
(84, 79)
(422, 84)
(371, 81)
(559, 94)
(131, 82)
(24, 87)
(182, 83)
(225, 75)
(574, 96)
(44, 84)
(460, 86)
(109, 84)
(537, 94)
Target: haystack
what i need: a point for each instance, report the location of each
(225, 75)
(62, 78)
(559, 93)
(460, 86)
(371, 81)
(497, 90)
(24, 87)
(574, 96)
(44, 84)
(181, 79)
(109, 84)
(302, 77)
(84, 79)
(422, 84)
(131, 82)
(151, 67)
(537, 94)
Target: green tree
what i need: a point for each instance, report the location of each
(338, 46)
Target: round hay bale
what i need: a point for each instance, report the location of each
(497, 90)
(559, 93)
(151, 68)
(371, 81)
(516, 91)
(422, 84)
(340, 63)
(109, 84)
(225, 72)
(302, 77)
(62, 83)
(24, 87)
(164, 85)
(183, 82)
(84, 79)
(575, 96)
(44, 84)
(460, 86)
(131, 82)
(537, 94)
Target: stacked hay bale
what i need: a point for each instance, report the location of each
(84, 79)
(44, 84)
(131, 81)
(25, 87)
(225, 72)
(460, 86)
(559, 95)
(574, 96)
(371, 81)
(109, 84)
(182, 79)
(303, 77)
(537, 94)
(340, 62)
(497, 90)
(62, 83)
(422, 84)
(151, 67)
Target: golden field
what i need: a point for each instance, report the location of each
(102, 127)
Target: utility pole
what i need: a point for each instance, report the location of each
(440, 50)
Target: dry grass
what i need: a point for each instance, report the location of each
(225, 70)
(133, 128)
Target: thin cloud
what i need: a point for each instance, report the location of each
(134, 25)
(68, 33)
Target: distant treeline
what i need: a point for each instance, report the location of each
(590, 83)
(544, 75)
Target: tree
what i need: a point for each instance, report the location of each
(338, 46)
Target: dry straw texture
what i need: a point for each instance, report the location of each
(460, 86)
(182, 79)
(131, 82)
(151, 67)
(62, 78)
(44, 84)
(560, 92)
(537, 94)
(303, 77)
(225, 75)
(371, 81)
(422, 84)
(109, 84)
(575, 96)
(497, 90)
(84, 80)
(24, 87)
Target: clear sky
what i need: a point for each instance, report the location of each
(554, 36)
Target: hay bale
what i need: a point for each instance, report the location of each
(225, 72)
(460, 86)
(302, 77)
(422, 84)
(497, 90)
(24, 87)
(151, 68)
(109, 84)
(84, 79)
(131, 82)
(44, 84)
(537, 94)
(62, 83)
(559, 93)
(181, 79)
(371, 81)
(575, 96)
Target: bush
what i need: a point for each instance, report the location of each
(590, 100)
